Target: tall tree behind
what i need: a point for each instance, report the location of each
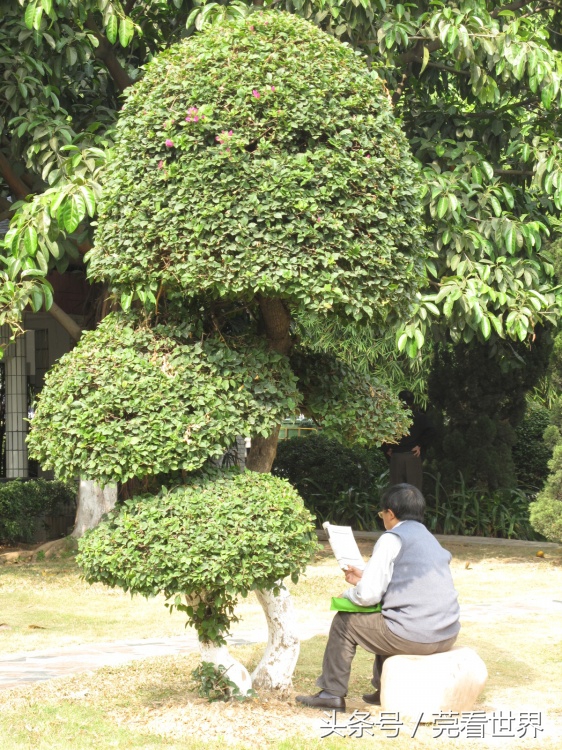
(477, 396)
(477, 85)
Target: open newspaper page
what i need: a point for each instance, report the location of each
(344, 546)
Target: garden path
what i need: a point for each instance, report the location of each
(36, 666)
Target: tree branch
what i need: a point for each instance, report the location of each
(15, 183)
(513, 172)
(277, 323)
(511, 6)
(69, 325)
(448, 69)
(399, 90)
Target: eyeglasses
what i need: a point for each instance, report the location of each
(381, 513)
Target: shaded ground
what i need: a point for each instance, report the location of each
(511, 603)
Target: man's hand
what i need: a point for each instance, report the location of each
(353, 575)
(416, 450)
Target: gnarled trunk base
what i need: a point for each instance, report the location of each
(93, 502)
(275, 670)
(235, 671)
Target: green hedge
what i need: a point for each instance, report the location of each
(338, 483)
(22, 502)
(217, 537)
(530, 453)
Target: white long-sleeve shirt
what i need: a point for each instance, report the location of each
(378, 572)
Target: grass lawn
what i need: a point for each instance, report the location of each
(511, 604)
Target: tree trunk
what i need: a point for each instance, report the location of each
(220, 656)
(276, 321)
(275, 670)
(262, 453)
(93, 502)
(69, 325)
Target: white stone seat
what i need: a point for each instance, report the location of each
(451, 681)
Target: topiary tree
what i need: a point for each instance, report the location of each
(546, 510)
(201, 546)
(258, 175)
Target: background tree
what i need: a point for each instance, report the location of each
(478, 396)
(477, 84)
(257, 174)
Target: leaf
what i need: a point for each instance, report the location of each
(496, 205)
(89, 199)
(112, 28)
(442, 206)
(488, 169)
(425, 59)
(30, 240)
(29, 15)
(72, 212)
(510, 239)
(126, 31)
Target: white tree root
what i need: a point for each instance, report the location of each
(275, 670)
(220, 656)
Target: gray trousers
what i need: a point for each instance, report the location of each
(405, 467)
(369, 630)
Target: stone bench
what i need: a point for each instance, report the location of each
(451, 681)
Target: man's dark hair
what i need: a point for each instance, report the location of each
(407, 397)
(405, 501)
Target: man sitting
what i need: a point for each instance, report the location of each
(409, 575)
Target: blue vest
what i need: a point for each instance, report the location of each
(420, 603)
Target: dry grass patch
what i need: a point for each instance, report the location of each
(511, 611)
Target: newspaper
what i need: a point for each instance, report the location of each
(344, 546)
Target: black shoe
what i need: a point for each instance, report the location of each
(374, 699)
(322, 699)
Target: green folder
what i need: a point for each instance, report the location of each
(341, 604)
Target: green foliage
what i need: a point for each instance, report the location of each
(470, 511)
(337, 483)
(131, 401)
(546, 511)
(262, 156)
(21, 503)
(481, 114)
(531, 452)
(480, 111)
(203, 544)
(367, 350)
(347, 405)
(214, 684)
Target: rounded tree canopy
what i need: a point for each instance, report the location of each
(209, 541)
(262, 156)
(131, 401)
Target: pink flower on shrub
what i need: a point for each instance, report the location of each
(169, 143)
(224, 136)
(193, 115)
(160, 164)
(256, 94)
(272, 88)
